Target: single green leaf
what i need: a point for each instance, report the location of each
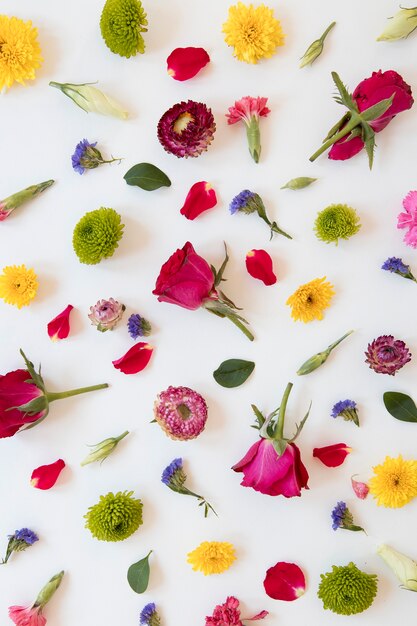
(378, 109)
(233, 372)
(400, 406)
(147, 176)
(138, 574)
(344, 96)
(299, 183)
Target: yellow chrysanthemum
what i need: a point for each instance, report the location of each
(18, 285)
(309, 301)
(253, 32)
(20, 53)
(394, 482)
(212, 557)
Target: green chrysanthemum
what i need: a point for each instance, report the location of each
(121, 24)
(96, 235)
(347, 590)
(337, 221)
(114, 517)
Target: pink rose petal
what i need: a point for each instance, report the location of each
(45, 476)
(135, 360)
(332, 456)
(285, 581)
(59, 327)
(200, 198)
(184, 63)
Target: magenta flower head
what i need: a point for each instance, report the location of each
(408, 219)
(228, 614)
(386, 355)
(105, 314)
(186, 129)
(249, 110)
(181, 413)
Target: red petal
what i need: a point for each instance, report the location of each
(332, 456)
(200, 198)
(135, 360)
(285, 581)
(184, 63)
(59, 327)
(45, 476)
(255, 618)
(259, 265)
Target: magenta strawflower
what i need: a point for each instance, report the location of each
(181, 412)
(386, 355)
(249, 110)
(408, 219)
(186, 129)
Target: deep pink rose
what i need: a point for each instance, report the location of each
(271, 474)
(380, 86)
(185, 279)
(15, 392)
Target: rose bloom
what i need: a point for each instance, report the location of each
(15, 391)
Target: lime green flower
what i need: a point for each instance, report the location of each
(96, 235)
(114, 517)
(337, 221)
(347, 590)
(121, 24)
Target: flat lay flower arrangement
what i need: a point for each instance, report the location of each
(161, 161)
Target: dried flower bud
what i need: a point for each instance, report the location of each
(101, 450)
(400, 25)
(105, 314)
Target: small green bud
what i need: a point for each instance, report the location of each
(49, 589)
(321, 357)
(316, 48)
(299, 183)
(102, 450)
(400, 25)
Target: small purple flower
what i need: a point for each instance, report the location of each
(174, 477)
(347, 410)
(19, 541)
(87, 156)
(250, 202)
(342, 518)
(149, 616)
(396, 266)
(386, 355)
(171, 471)
(26, 535)
(105, 314)
(138, 326)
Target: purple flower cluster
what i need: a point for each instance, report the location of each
(170, 473)
(338, 515)
(346, 409)
(26, 535)
(149, 616)
(138, 327)
(396, 265)
(245, 201)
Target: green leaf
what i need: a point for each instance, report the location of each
(233, 372)
(400, 406)
(147, 176)
(344, 96)
(299, 183)
(368, 137)
(138, 574)
(372, 113)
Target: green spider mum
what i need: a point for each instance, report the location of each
(96, 235)
(347, 590)
(114, 517)
(337, 221)
(121, 24)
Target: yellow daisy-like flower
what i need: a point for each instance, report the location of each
(20, 53)
(18, 285)
(309, 301)
(394, 482)
(254, 33)
(212, 557)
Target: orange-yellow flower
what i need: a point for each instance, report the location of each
(20, 53)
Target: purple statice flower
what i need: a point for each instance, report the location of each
(138, 326)
(250, 202)
(26, 535)
(149, 616)
(386, 355)
(19, 541)
(105, 314)
(396, 266)
(186, 129)
(174, 477)
(87, 157)
(342, 518)
(346, 409)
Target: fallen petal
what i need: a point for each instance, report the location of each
(260, 615)
(259, 265)
(285, 581)
(135, 360)
(45, 476)
(59, 327)
(184, 63)
(200, 198)
(361, 489)
(332, 456)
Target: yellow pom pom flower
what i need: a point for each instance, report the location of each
(18, 285)
(394, 483)
(253, 32)
(309, 301)
(20, 53)
(212, 557)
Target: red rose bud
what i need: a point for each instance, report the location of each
(184, 63)
(45, 476)
(332, 456)
(59, 327)
(285, 581)
(200, 198)
(259, 265)
(361, 489)
(135, 360)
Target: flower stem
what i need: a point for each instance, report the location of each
(354, 121)
(336, 343)
(122, 436)
(241, 326)
(327, 31)
(51, 396)
(279, 431)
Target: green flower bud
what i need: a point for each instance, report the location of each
(101, 450)
(299, 183)
(91, 99)
(316, 48)
(321, 357)
(49, 589)
(403, 567)
(9, 204)
(400, 25)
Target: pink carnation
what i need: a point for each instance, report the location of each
(408, 219)
(27, 616)
(246, 108)
(228, 614)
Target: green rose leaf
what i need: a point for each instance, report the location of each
(299, 183)
(138, 574)
(147, 176)
(233, 372)
(400, 406)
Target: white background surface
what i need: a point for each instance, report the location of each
(39, 130)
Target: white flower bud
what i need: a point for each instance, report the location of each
(400, 25)
(91, 99)
(403, 567)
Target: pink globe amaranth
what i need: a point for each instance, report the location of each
(181, 412)
(265, 471)
(27, 616)
(15, 391)
(386, 355)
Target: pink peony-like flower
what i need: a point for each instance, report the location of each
(186, 129)
(228, 614)
(27, 616)
(249, 110)
(105, 314)
(45, 476)
(181, 412)
(386, 355)
(59, 327)
(135, 360)
(285, 581)
(200, 198)
(408, 219)
(185, 63)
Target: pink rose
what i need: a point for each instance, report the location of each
(15, 391)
